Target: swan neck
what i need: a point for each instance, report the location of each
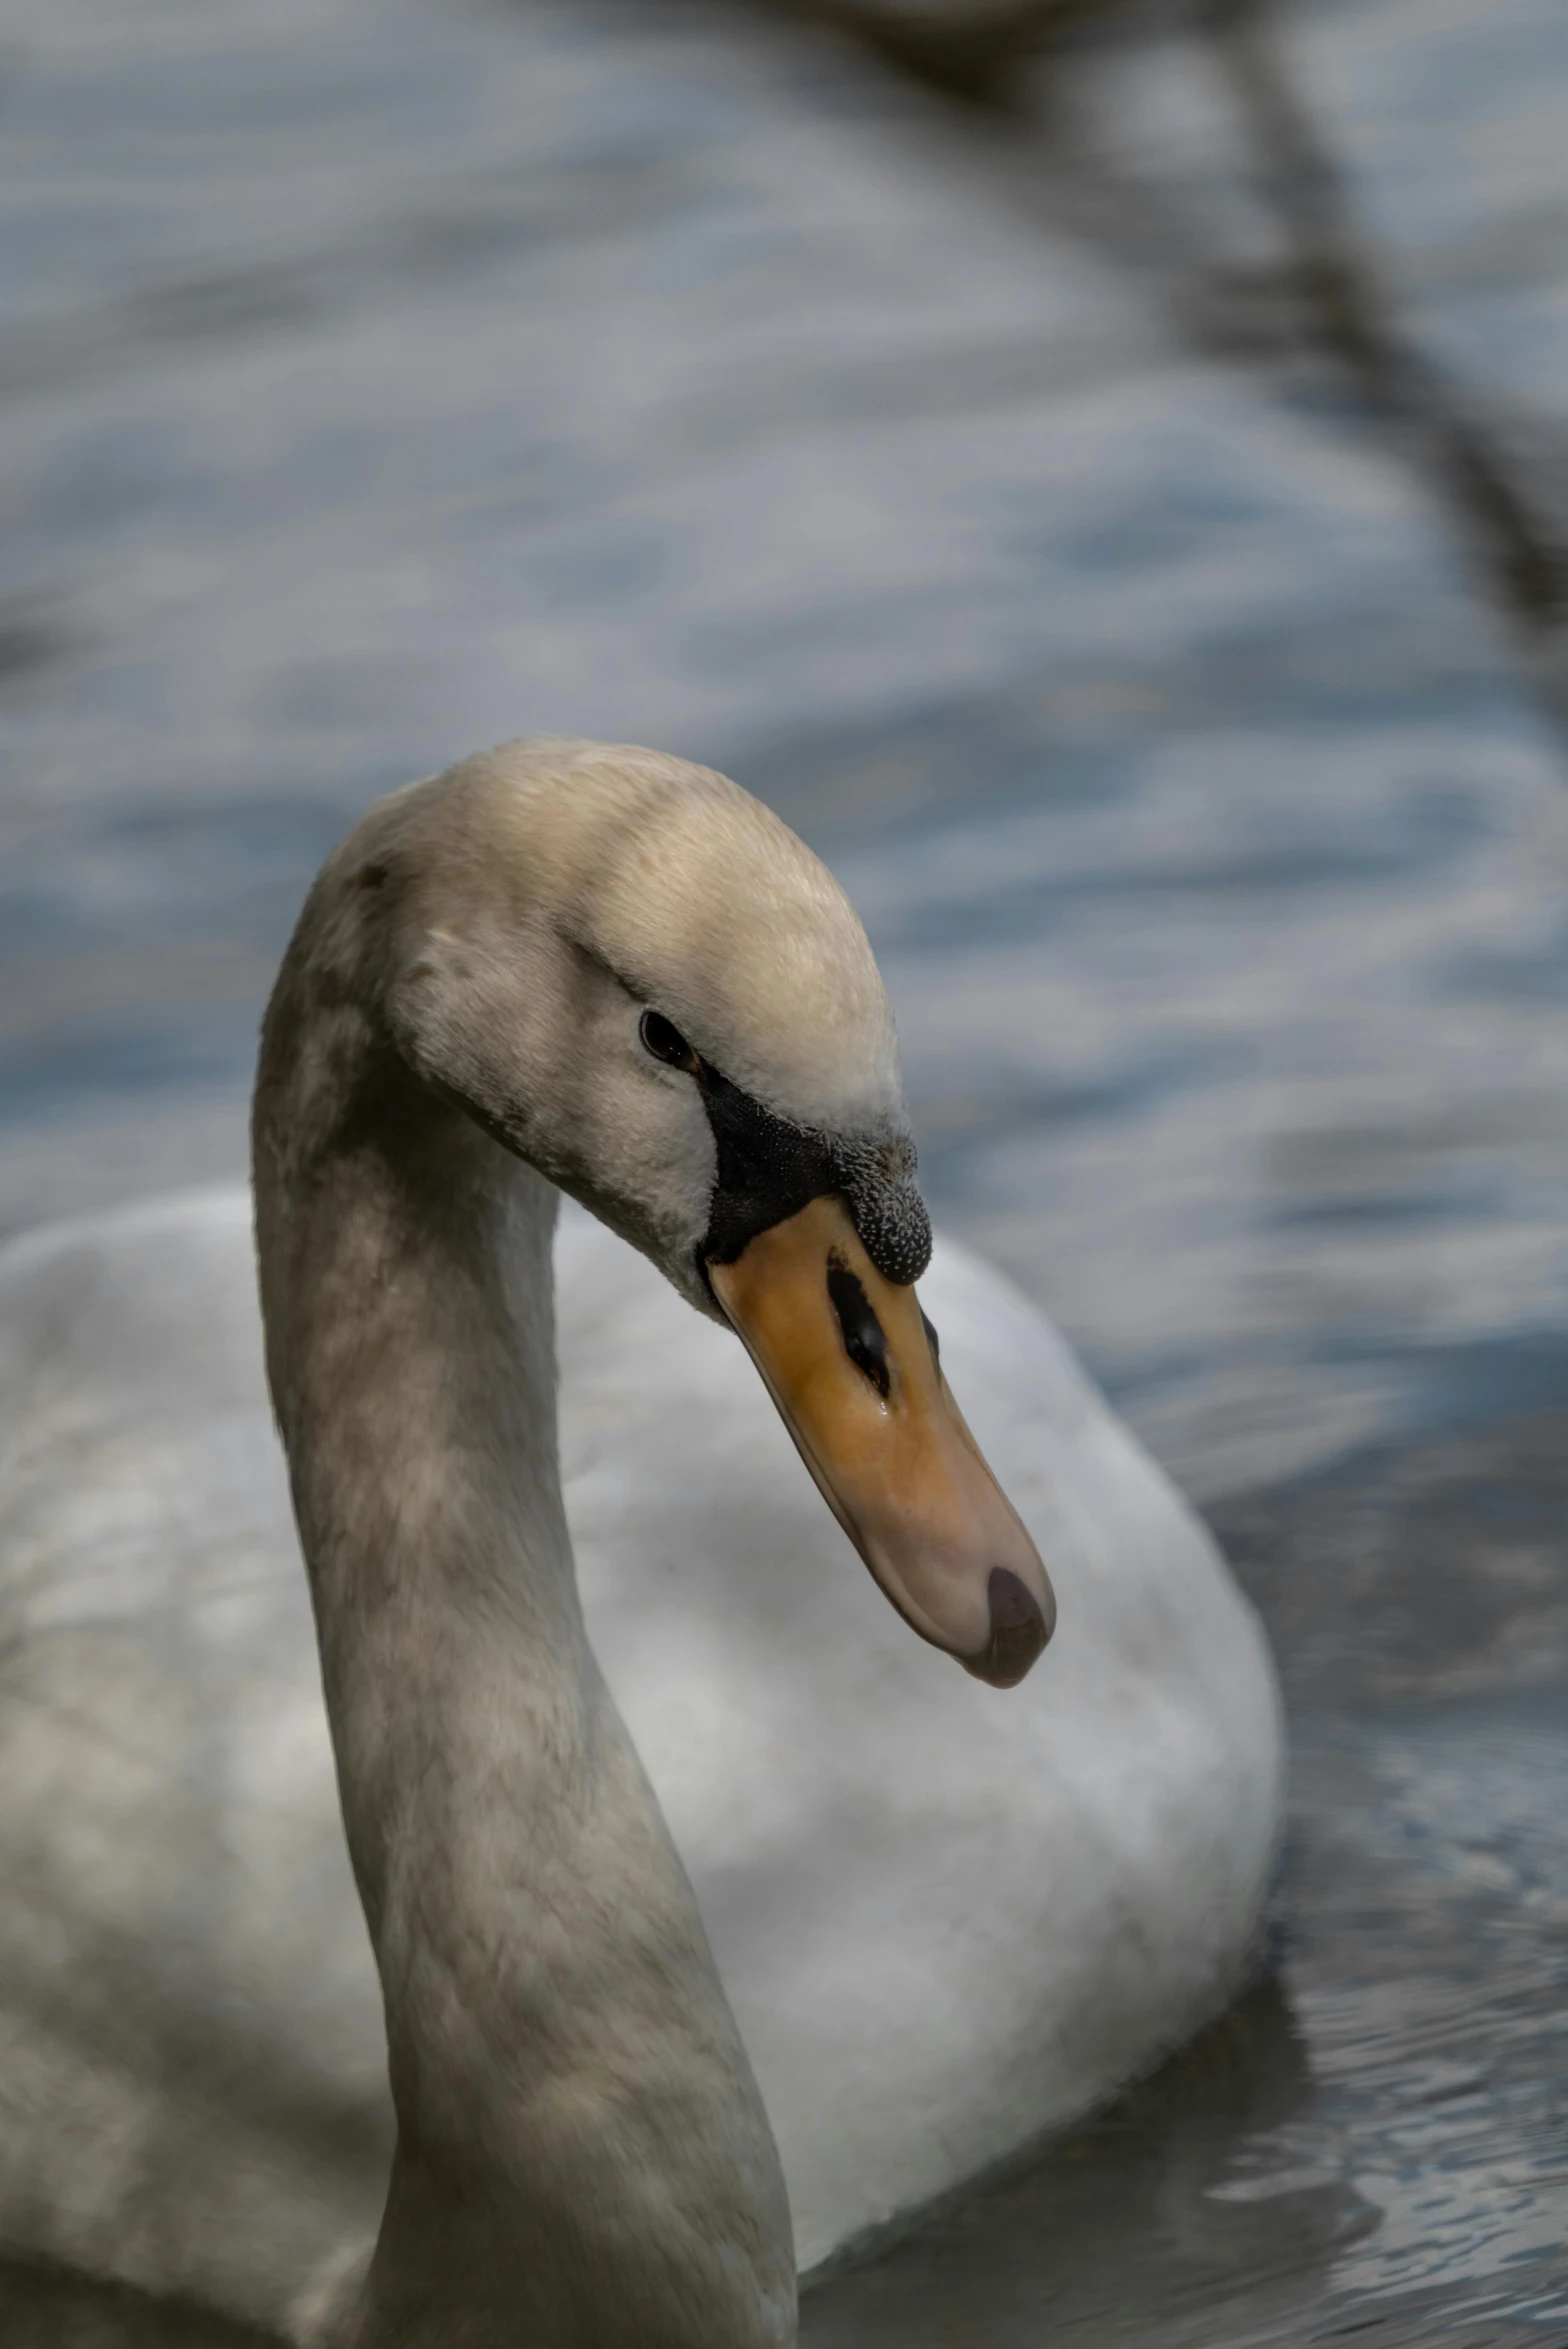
(408, 1297)
(579, 2134)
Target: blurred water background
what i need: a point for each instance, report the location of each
(1099, 470)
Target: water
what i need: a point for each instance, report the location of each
(382, 381)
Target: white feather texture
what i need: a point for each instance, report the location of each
(946, 1917)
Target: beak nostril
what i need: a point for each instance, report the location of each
(864, 1342)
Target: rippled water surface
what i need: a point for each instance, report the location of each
(378, 381)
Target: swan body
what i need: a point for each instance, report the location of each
(943, 1917)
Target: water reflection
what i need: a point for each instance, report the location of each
(1205, 2198)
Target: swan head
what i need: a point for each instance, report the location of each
(634, 976)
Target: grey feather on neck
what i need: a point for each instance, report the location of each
(582, 2153)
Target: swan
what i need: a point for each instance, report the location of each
(679, 1987)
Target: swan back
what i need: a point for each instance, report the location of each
(946, 1921)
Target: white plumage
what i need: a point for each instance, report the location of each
(946, 1918)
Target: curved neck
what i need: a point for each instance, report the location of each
(582, 2155)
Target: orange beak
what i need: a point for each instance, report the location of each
(852, 1364)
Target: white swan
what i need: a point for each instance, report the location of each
(945, 1917)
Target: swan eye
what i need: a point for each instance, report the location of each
(664, 1040)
